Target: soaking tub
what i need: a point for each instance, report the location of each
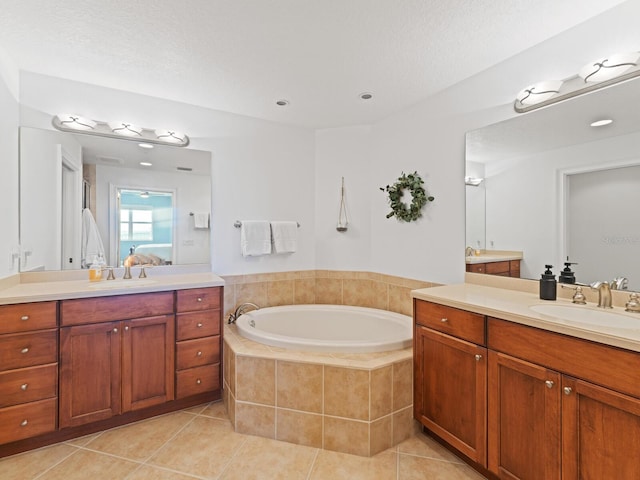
(328, 328)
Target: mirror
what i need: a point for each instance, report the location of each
(167, 202)
(555, 187)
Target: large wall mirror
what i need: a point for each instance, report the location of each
(553, 186)
(84, 197)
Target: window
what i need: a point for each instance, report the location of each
(136, 224)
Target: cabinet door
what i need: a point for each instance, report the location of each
(524, 419)
(600, 432)
(450, 391)
(89, 373)
(147, 362)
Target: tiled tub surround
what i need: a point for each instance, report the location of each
(361, 289)
(352, 403)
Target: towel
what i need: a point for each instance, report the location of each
(255, 238)
(200, 220)
(284, 235)
(91, 246)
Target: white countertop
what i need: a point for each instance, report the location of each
(38, 287)
(514, 306)
(491, 256)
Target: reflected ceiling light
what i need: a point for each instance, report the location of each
(366, 96)
(170, 136)
(602, 123)
(610, 67)
(146, 164)
(538, 92)
(282, 103)
(123, 130)
(75, 122)
(144, 194)
(473, 181)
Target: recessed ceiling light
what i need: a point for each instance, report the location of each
(366, 96)
(146, 164)
(145, 145)
(282, 103)
(602, 123)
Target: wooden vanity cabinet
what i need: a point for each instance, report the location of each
(112, 367)
(28, 370)
(450, 376)
(506, 268)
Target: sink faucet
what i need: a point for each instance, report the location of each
(604, 293)
(468, 252)
(240, 310)
(619, 283)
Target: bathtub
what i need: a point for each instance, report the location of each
(328, 328)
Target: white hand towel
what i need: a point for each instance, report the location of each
(91, 245)
(255, 238)
(285, 236)
(200, 220)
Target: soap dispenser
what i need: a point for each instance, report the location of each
(567, 276)
(548, 284)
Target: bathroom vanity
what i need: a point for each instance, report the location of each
(525, 395)
(77, 358)
(506, 264)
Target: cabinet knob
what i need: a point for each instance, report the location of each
(115, 330)
(24, 317)
(198, 382)
(24, 423)
(24, 386)
(126, 329)
(199, 299)
(444, 320)
(567, 390)
(549, 383)
(478, 357)
(25, 350)
(199, 354)
(199, 325)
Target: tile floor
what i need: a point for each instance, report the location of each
(199, 443)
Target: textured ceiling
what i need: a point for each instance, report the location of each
(241, 56)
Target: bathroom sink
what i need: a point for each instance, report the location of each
(120, 283)
(587, 316)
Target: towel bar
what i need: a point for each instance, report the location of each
(238, 224)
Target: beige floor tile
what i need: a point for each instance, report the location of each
(147, 472)
(29, 465)
(342, 466)
(265, 459)
(82, 441)
(197, 409)
(424, 446)
(140, 440)
(419, 468)
(216, 410)
(84, 465)
(203, 448)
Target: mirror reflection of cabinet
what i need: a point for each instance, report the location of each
(507, 268)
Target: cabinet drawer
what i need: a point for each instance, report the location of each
(197, 380)
(458, 323)
(197, 299)
(194, 353)
(28, 349)
(27, 316)
(498, 268)
(197, 324)
(28, 384)
(119, 307)
(27, 420)
(477, 267)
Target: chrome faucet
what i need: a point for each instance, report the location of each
(619, 283)
(604, 294)
(468, 252)
(242, 308)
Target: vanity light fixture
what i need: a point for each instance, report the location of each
(602, 122)
(593, 76)
(123, 130)
(146, 164)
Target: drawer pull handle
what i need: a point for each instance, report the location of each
(199, 299)
(199, 325)
(24, 386)
(199, 354)
(478, 358)
(198, 382)
(549, 383)
(25, 350)
(24, 423)
(444, 320)
(24, 317)
(567, 390)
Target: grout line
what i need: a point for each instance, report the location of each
(76, 450)
(313, 463)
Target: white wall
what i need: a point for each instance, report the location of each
(343, 152)
(9, 120)
(261, 170)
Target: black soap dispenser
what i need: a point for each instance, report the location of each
(548, 284)
(567, 276)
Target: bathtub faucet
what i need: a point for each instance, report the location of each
(242, 308)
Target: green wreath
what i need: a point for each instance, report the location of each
(407, 213)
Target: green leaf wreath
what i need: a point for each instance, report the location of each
(407, 213)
